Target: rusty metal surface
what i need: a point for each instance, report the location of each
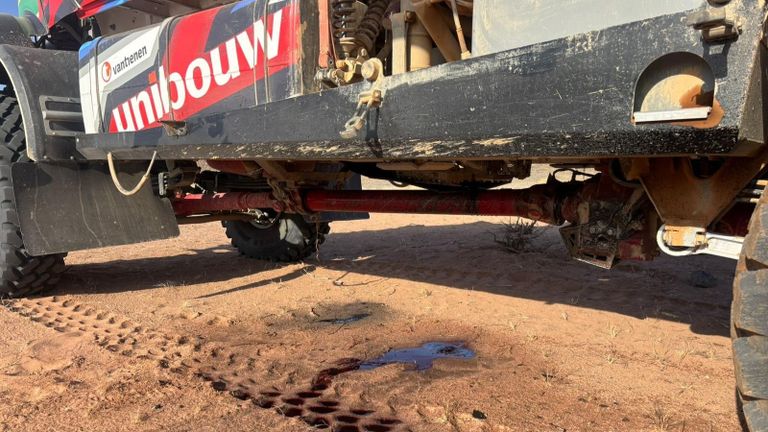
(609, 222)
(326, 44)
(246, 168)
(196, 204)
(736, 221)
(685, 199)
(537, 203)
(679, 82)
(438, 29)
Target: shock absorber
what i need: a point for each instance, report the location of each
(352, 37)
(342, 20)
(370, 26)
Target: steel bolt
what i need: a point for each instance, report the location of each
(371, 69)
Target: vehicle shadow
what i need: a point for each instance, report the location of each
(463, 256)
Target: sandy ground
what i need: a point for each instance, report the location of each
(187, 335)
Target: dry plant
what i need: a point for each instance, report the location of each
(612, 356)
(684, 388)
(613, 331)
(518, 236)
(684, 353)
(550, 374)
(554, 373)
(662, 420)
(661, 356)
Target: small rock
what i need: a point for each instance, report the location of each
(434, 414)
(702, 279)
(479, 415)
(219, 385)
(189, 315)
(468, 423)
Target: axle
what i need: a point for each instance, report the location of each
(538, 203)
(532, 204)
(607, 221)
(198, 204)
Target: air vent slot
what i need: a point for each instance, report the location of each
(62, 116)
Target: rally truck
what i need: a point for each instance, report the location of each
(122, 119)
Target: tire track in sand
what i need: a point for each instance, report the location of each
(186, 355)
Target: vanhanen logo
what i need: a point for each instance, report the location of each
(106, 72)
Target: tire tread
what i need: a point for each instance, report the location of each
(290, 239)
(20, 273)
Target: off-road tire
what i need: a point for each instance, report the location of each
(20, 273)
(749, 323)
(291, 238)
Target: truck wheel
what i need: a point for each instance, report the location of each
(289, 239)
(749, 322)
(20, 273)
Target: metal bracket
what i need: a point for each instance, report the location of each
(179, 176)
(373, 71)
(585, 248)
(162, 184)
(685, 114)
(175, 128)
(710, 244)
(716, 24)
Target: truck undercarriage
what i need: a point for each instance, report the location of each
(192, 111)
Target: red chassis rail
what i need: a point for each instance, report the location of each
(537, 203)
(553, 203)
(197, 204)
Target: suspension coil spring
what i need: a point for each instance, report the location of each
(369, 27)
(342, 16)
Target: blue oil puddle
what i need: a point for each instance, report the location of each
(421, 358)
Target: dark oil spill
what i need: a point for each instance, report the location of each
(316, 407)
(421, 357)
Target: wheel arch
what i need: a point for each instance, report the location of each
(15, 30)
(45, 83)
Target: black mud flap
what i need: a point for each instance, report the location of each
(68, 207)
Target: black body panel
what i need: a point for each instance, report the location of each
(11, 32)
(37, 73)
(71, 207)
(571, 97)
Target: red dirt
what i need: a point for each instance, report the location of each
(561, 346)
